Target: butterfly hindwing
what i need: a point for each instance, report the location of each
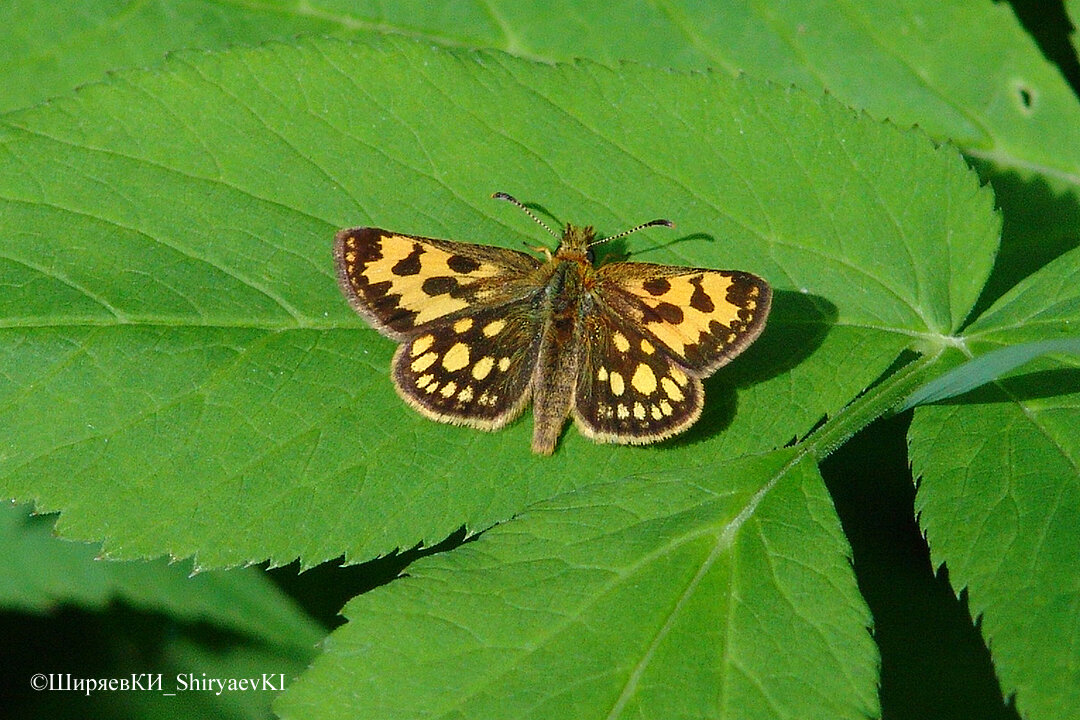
(402, 282)
(703, 317)
(629, 388)
(474, 370)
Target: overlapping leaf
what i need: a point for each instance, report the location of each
(722, 594)
(40, 573)
(911, 61)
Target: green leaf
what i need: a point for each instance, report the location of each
(38, 573)
(190, 378)
(999, 497)
(964, 71)
(723, 593)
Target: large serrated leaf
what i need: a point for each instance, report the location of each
(964, 71)
(189, 377)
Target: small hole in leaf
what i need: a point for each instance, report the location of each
(1026, 96)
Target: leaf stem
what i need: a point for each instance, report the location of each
(869, 406)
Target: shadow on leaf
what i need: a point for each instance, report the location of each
(797, 326)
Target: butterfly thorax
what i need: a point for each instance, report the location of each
(568, 280)
(571, 272)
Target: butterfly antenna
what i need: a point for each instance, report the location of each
(624, 233)
(511, 199)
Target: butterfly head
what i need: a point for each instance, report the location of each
(574, 243)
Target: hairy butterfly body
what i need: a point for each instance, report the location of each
(622, 347)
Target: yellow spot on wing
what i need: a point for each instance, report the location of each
(456, 357)
(422, 344)
(621, 343)
(494, 327)
(463, 325)
(483, 367)
(644, 381)
(448, 389)
(671, 389)
(617, 384)
(423, 362)
(426, 307)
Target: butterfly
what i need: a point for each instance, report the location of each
(621, 346)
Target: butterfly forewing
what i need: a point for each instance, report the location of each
(704, 318)
(404, 282)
